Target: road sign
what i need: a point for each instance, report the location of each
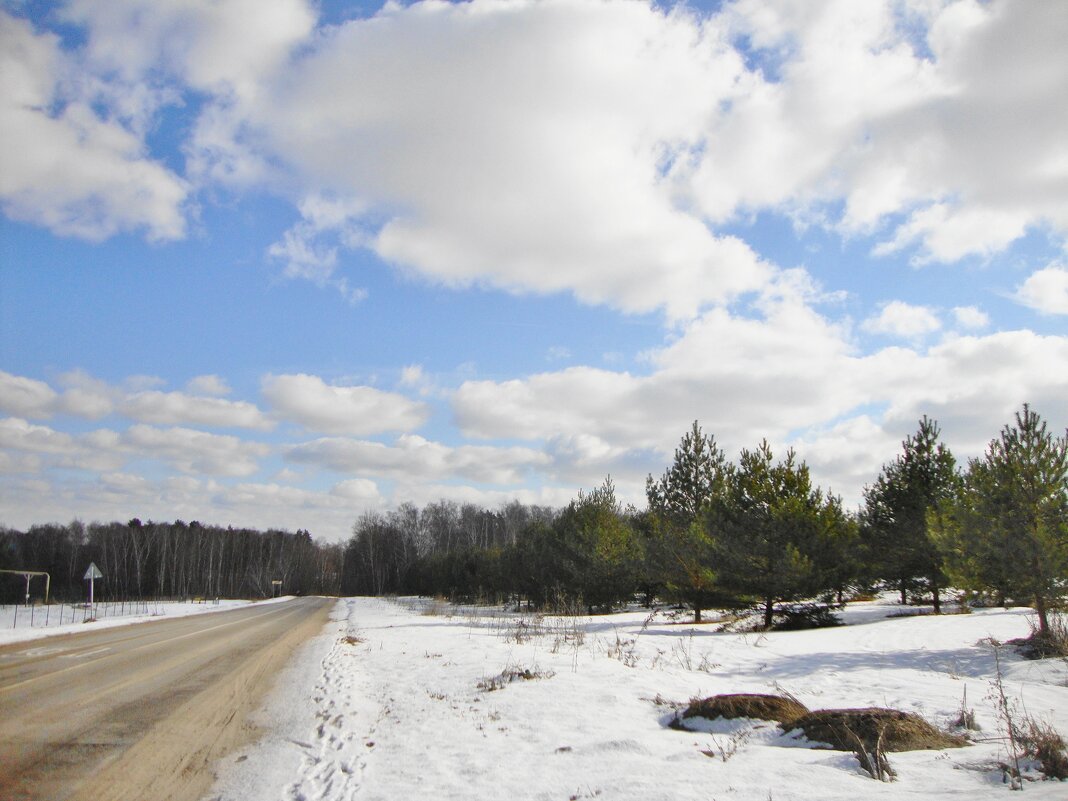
(91, 575)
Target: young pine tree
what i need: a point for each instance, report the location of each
(1009, 529)
(775, 536)
(894, 527)
(679, 556)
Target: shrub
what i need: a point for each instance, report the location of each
(807, 616)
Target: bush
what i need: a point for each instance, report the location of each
(807, 616)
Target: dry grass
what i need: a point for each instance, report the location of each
(746, 705)
(1041, 742)
(877, 729)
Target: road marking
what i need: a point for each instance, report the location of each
(84, 654)
(40, 651)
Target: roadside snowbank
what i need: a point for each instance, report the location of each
(23, 631)
(416, 699)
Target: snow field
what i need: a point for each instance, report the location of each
(415, 699)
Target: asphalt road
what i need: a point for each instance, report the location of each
(144, 711)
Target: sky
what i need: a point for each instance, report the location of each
(280, 264)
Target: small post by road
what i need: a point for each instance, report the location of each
(91, 575)
(276, 586)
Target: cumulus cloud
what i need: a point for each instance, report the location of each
(356, 410)
(542, 173)
(560, 146)
(64, 166)
(172, 408)
(26, 397)
(213, 385)
(88, 397)
(215, 47)
(788, 375)
(413, 457)
(1046, 290)
(103, 449)
(899, 319)
(971, 318)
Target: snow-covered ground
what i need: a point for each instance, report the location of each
(416, 699)
(21, 623)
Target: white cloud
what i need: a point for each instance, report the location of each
(91, 398)
(26, 397)
(118, 495)
(310, 402)
(415, 458)
(61, 164)
(541, 173)
(223, 48)
(971, 318)
(305, 251)
(560, 146)
(208, 385)
(788, 375)
(173, 408)
(904, 320)
(103, 449)
(1046, 290)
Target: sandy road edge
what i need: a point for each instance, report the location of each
(174, 761)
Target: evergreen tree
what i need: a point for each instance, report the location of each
(775, 536)
(894, 520)
(1009, 529)
(601, 550)
(695, 477)
(678, 545)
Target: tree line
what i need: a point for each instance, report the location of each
(168, 560)
(752, 532)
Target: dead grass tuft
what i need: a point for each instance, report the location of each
(1053, 644)
(1041, 742)
(876, 729)
(746, 705)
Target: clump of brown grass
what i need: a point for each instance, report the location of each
(1044, 744)
(746, 705)
(877, 729)
(1044, 645)
(513, 673)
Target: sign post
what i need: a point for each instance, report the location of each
(92, 574)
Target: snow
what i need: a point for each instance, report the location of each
(413, 698)
(17, 624)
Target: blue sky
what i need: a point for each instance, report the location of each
(278, 265)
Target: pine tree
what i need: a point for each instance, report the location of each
(894, 520)
(1010, 526)
(678, 545)
(775, 536)
(695, 477)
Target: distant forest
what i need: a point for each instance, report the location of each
(167, 560)
(715, 533)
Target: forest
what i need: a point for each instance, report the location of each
(166, 560)
(754, 532)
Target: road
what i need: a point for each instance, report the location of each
(141, 712)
